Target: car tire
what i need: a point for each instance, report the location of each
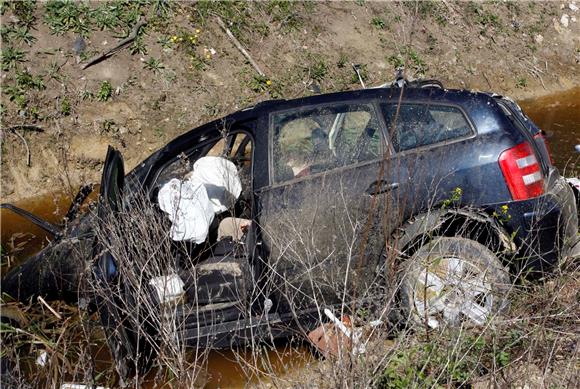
(453, 281)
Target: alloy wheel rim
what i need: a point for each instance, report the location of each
(452, 290)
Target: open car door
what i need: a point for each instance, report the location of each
(130, 353)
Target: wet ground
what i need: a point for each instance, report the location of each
(558, 115)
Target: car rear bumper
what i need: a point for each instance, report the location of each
(545, 228)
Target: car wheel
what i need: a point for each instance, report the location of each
(450, 281)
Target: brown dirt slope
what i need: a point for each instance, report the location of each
(183, 71)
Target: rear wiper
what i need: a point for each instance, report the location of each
(48, 227)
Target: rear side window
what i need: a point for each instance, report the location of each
(418, 125)
(319, 139)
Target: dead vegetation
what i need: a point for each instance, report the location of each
(533, 342)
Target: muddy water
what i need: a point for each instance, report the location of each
(20, 237)
(558, 115)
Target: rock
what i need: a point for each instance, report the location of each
(565, 20)
(79, 45)
(573, 7)
(538, 39)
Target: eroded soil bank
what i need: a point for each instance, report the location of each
(183, 71)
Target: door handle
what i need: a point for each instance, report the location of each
(381, 186)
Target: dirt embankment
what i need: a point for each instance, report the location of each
(183, 70)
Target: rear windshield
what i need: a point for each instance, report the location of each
(419, 125)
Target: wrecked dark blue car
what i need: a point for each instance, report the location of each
(438, 197)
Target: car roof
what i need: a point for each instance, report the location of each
(434, 94)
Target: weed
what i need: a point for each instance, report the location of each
(26, 80)
(65, 107)
(364, 74)
(236, 14)
(317, 70)
(260, 83)
(138, 46)
(396, 60)
(63, 16)
(105, 91)
(105, 18)
(153, 64)
(342, 60)
(11, 33)
(483, 17)
(285, 13)
(108, 126)
(11, 57)
(521, 82)
(24, 12)
(454, 199)
(409, 57)
(87, 95)
(378, 23)
(159, 132)
(16, 94)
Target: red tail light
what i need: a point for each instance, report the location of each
(522, 172)
(541, 136)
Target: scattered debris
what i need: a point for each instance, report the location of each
(573, 7)
(565, 20)
(42, 359)
(538, 39)
(169, 288)
(332, 337)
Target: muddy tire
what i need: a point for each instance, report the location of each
(453, 281)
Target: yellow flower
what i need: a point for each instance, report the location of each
(208, 56)
(269, 82)
(197, 30)
(504, 208)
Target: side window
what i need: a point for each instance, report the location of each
(315, 140)
(418, 125)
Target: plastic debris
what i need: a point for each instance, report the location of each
(331, 338)
(42, 359)
(169, 288)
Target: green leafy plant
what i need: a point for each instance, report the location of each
(521, 82)
(26, 80)
(153, 64)
(378, 23)
(260, 83)
(63, 16)
(65, 107)
(11, 57)
(317, 70)
(105, 91)
(455, 198)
